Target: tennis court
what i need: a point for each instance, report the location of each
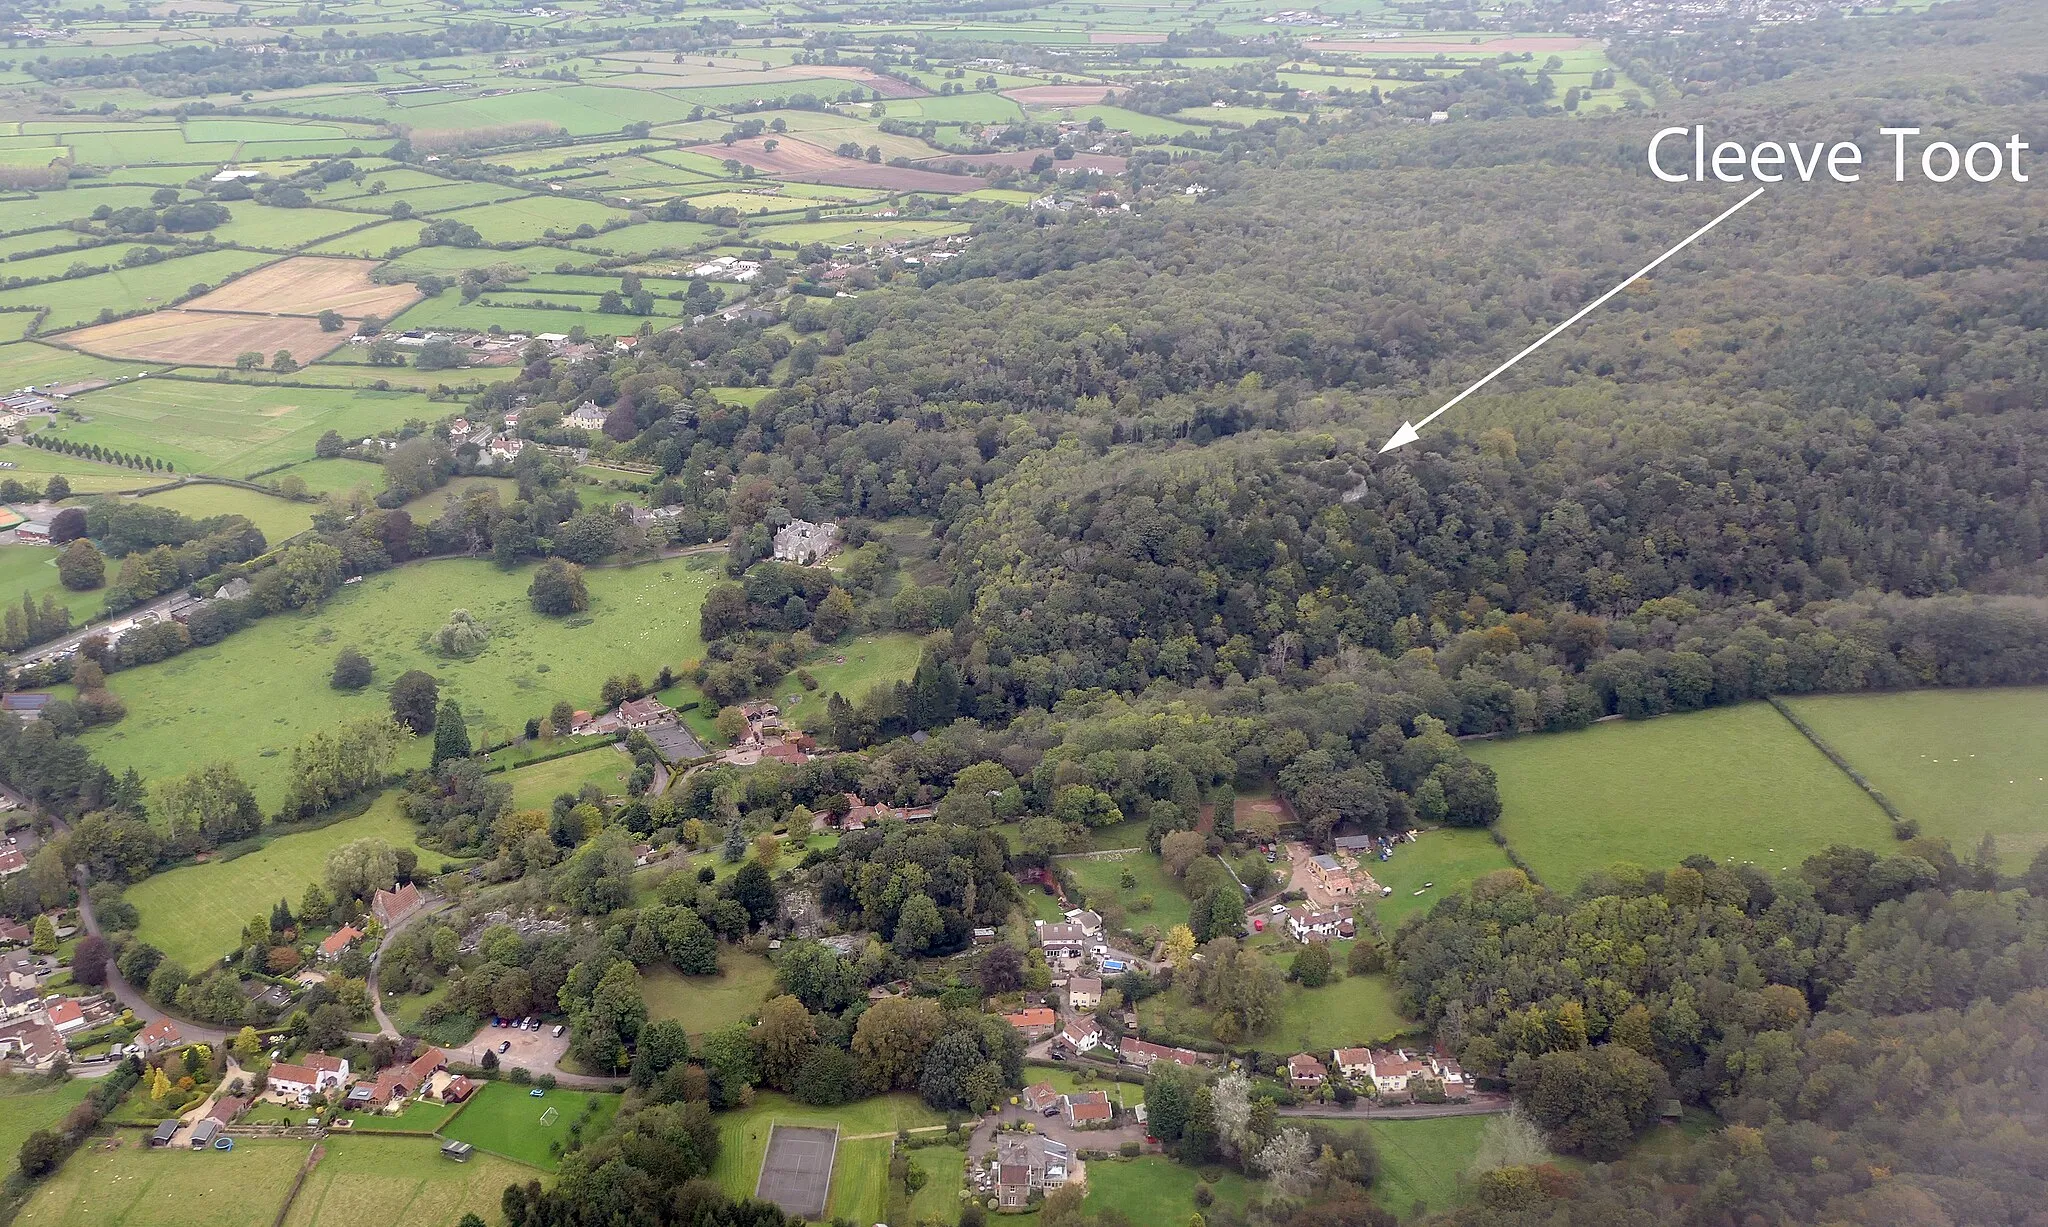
(796, 1173)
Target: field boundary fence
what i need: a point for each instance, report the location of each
(1834, 756)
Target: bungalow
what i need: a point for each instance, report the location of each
(1033, 1023)
(339, 941)
(1305, 1073)
(1306, 923)
(640, 713)
(227, 1108)
(12, 861)
(784, 752)
(1081, 1034)
(1062, 941)
(28, 705)
(1087, 1108)
(392, 906)
(1142, 1053)
(1040, 1097)
(1084, 993)
(65, 1014)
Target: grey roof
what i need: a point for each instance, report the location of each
(1352, 843)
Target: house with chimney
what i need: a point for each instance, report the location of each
(1142, 1053)
(1306, 922)
(1081, 1034)
(1033, 1023)
(337, 943)
(1027, 1163)
(392, 906)
(1089, 1109)
(1305, 1072)
(306, 1078)
(1065, 940)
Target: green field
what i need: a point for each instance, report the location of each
(1962, 763)
(399, 1182)
(504, 1119)
(1420, 1160)
(195, 914)
(23, 1109)
(1450, 857)
(228, 429)
(1155, 1189)
(534, 787)
(944, 1169)
(706, 1003)
(134, 1186)
(1735, 783)
(1353, 1010)
(1099, 877)
(280, 518)
(33, 569)
(262, 690)
(80, 301)
(868, 661)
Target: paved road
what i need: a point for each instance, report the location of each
(384, 1023)
(71, 639)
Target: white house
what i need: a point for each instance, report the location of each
(315, 1074)
(803, 542)
(587, 416)
(1081, 1034)
(1306, 923)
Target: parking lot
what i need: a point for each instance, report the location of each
(537, 1051)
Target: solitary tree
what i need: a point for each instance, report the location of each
(451, 734)
(331, 321)
(352, 670)
(413, 699)
(80, 566)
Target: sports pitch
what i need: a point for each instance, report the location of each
(797, 1172)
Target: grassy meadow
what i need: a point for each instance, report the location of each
(1102, 878)
(32, 569)
(280, 518)
(1962, 763)
(26, 1107)
(195, 913)
(706, 1003)
(264, 689)
(1735, 783)
(1420, 1160)
(134, 1186)
(503, 1119)
(399, 1182)
(1450, 857)
(1155, 1189)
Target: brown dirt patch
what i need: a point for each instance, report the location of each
(802, 162)
(1491, 46)
(1112, 36)
(308, 285)
(890, 87)
(1062, 95)
(1023, 158)
(203, 338)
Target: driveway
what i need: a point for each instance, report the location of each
(384, 1023)
(536, 1052)
(1057, 1128)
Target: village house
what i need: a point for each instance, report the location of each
(338, 942)
(1081, 1034)
(30, 1040)
(1040, 1097)
(402, 1082)
(1033, 1023)
(1332, 876)
(1397, 1072)
(805, 543)
(1142, 1053)
(13, 932)
(1062, 941)
(312, 1076)
(785, 752)
(644, 713)
(12, 861)
(65, 1014)
(1084, 993)
(1087, 1108)
(1090, 922)
(1306, 923)
(587, 416)
(1353, 1063)
(159, 1035)
(392, 906)
(1027, 1163)
(1305, 1073)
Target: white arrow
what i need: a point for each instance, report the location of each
(1409, 432)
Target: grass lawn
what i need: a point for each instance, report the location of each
(504, 1119)
(944, 1167)
(23, 1109)
(231, 429)
(706, 1003)
(1155, 1189)
(1451, 857)
(196, 913)
(1420, 1160)
(263, 690)
(1352, 1011)
(134, 1186)
(399, 1182)
(280, 518)
(869, 661)
(743, 1143)
(1736, 783)
(1101, 878)
(1962, 763)
(33, 569)
(418, 1116)
(534, 787)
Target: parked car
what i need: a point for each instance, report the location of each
(496, 1021)
(559, 1028)
(1278, 909)
(535, 1093)
(505, 1047)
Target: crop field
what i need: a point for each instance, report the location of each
(134, 1186)
(399, 1182)
(1064, 95)
(307, 286)
(503, 1119)
(280, 518)
(1736, 783)
(804, 162)
(264, 689)
(283, 229)
(195, 914)
(230, 430)
(201, 338)
(1962, 763)
(81, 299)
(706, 1003)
